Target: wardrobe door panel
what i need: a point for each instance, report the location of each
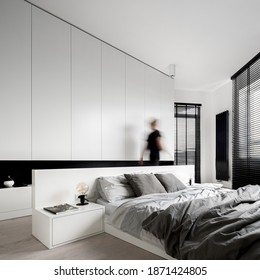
(152, 94)
(167, 116)
(152, 109)
(51, 87)
(15, 86)
(113, 104)
(135, 138)
(86, 96)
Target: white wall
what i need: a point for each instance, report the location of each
(213, 103)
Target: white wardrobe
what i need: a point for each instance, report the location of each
(69, 96)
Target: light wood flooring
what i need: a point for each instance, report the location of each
(17, 243)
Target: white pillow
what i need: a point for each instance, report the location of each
(114, 188)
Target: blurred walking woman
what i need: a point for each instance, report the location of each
(154, 144)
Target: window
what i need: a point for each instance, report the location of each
(246, 124)
(187, 133)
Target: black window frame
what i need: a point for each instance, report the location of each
(196, 116)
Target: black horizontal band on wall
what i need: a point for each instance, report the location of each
(21, 170)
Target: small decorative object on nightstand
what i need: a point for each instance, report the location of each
(9, 182)
(82, 189)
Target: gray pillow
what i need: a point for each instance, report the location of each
(144, 183)
(170, 182)
(114, 188)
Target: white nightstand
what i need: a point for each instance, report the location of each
(56, 230)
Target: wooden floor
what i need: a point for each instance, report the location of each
(17, 243)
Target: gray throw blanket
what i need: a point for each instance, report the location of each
(226, 226)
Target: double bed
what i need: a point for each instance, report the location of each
(155, 208)
(129, 216)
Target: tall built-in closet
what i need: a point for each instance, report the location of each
(66, 95)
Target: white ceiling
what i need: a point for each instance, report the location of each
(207, 40)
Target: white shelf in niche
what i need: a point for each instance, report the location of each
(15, 202)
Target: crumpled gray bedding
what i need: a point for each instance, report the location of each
(225, 226)
(130, 215)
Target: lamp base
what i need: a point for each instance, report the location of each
(79, 204)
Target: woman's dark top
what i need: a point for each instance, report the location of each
(152, 146)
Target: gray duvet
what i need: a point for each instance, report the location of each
(130, 215)
(225, 226)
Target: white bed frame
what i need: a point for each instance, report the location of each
(55, 186)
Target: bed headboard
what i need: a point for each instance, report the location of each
(55, 186)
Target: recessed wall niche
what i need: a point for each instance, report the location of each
(21, 171)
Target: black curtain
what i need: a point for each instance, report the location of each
(187, 136)
(246, 124)
(222, 147)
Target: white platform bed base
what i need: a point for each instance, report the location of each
(137, 242)
(55, 186)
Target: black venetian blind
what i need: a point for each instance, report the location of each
(187, 133)
(246, 124)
